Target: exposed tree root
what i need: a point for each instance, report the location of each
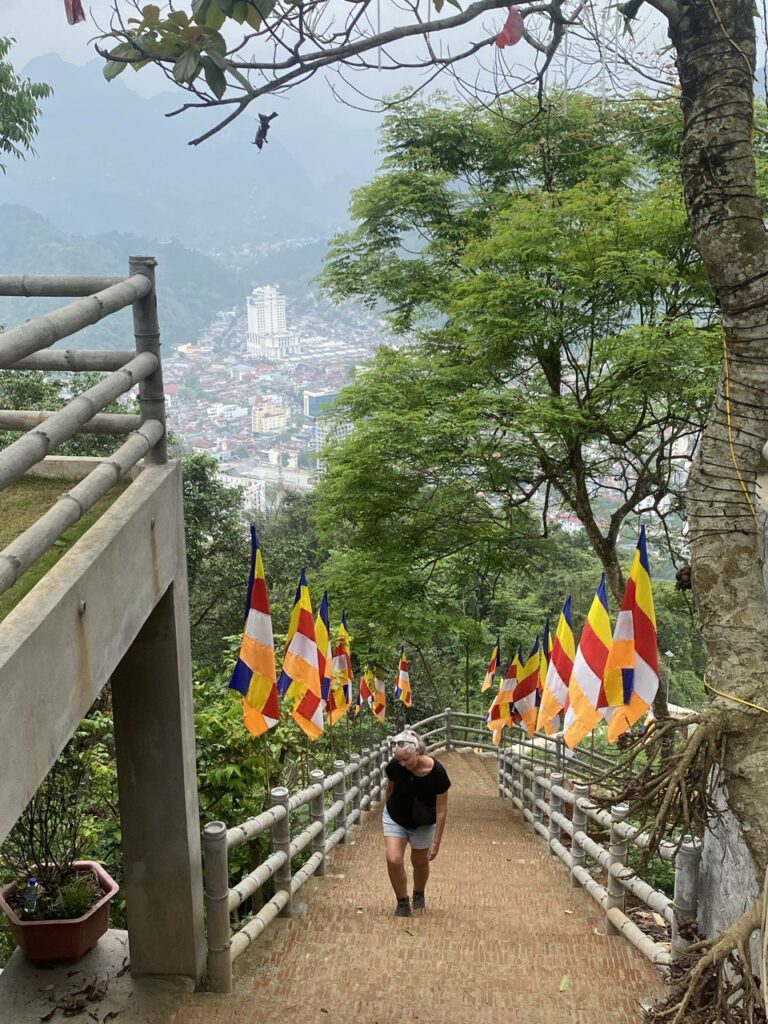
(671, 785)
(715, 982)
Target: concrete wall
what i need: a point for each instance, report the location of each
(728, 883)
(116, 603)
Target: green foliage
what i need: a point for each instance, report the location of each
(19, 107)
(218, 556)
(564, 348)
(77, 896)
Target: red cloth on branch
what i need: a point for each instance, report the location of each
(513, 29)
(75, 12)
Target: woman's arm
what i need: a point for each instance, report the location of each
(441, 806)
(390, 788)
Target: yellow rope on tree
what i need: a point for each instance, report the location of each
(739, 700)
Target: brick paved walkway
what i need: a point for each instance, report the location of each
(501, 930)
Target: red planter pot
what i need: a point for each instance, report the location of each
(67, 940)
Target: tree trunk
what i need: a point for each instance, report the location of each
(715, 46)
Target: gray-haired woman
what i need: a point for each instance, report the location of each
(414, 813)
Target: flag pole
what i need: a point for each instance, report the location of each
(306, 759)
(349, 734)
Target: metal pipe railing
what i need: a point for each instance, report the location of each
(45, 285)
(25, 550)
(102, 423)
(23, 453)
(19, 342)
(74, 359)
(546, 797)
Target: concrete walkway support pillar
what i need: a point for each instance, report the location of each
(157, 786)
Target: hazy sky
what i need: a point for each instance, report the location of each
(40, 26)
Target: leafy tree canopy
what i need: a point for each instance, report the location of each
(19, 109)
(559, 331)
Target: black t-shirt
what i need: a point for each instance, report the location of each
(414, 798)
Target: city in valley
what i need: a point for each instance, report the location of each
(257, 387)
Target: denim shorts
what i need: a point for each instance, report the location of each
(419, 838)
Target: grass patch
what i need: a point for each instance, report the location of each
(21, 505)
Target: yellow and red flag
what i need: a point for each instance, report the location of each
(403, 685)
(632, 669)
(493, 666)
(300, 677)
(585, 690)
(365, 691)
(501, 711)
(527, 688)
(324, 651)
(379, 707)
(341, 674)
(255, 674)
(555, 692)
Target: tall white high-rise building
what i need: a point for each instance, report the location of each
(268, 334)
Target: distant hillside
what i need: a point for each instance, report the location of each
(191, 287)
(109, 159)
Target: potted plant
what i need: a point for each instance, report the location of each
(57, 904)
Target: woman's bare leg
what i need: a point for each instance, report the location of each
(420, 869)
(395, 850)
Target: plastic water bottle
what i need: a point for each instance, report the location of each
(31, 895)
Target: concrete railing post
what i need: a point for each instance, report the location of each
(366, 779)
(356, 783)
(317, 813)
(448, 738)
(146, 330)
(502, 756)
(340, 793)
(555, 806)
(536, 789)
(686, 898)
(281, 840)
(618, 851)
(578, 856)
(216, 902)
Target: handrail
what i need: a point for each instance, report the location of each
(532, 801)
(26, 347)
(365, 772)
(19, 342)
(532, 786)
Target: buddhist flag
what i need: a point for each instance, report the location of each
(365, 691)
(403, 686)
(546, 641)
(527, 686)
(501, 711)
(555, 692)
(379, 698)
(254, 675)
(493, 665)
(324, 652)
(341, 674)
(300, 678)
(632, 668)
(585, 690)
